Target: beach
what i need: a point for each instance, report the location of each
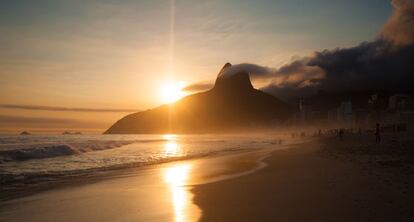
(315, 181)
(308, 181)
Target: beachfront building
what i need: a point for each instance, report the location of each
(344, 112)
(401, 102)
(400, 110)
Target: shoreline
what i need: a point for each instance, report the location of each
(35, 184)
(163, 188)
(44, 184)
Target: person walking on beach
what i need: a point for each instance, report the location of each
(377, 133)
(341, 134)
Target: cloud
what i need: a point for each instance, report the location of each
(399, 29)
(370, 66)
(57, 108)
(42, 122)
(254, 70)
(298, 74)
(197, 87)
(382, 64)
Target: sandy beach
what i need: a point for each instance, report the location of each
(313, 182)
(321, 180)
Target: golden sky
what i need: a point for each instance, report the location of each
(119, 54)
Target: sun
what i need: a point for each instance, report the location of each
(172, 91)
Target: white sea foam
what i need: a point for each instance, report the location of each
(21, 152)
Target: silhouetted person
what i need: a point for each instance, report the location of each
(341, 134)
(377, 133)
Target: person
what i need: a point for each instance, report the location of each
(341, 134)
(377, 133)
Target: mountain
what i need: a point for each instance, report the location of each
(231, 105)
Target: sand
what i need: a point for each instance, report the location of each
(306, 184)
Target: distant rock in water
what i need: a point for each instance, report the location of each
(231, 105)
(71, 133)
(25, 133)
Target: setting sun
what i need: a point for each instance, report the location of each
(172, 92)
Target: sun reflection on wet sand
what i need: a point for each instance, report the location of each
(176, 177)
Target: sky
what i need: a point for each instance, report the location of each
(113, 57)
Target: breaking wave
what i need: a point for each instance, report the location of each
(38, 151)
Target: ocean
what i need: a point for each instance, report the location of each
(34, 158)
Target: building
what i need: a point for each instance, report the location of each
(344, 112)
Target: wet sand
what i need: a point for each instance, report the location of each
(306, 184)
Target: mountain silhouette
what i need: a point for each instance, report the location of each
(231, 105)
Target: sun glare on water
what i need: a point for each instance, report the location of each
(172, 91)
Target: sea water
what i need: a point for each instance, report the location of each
(31, 157)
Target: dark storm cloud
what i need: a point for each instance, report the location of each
(369, 66)
(298, 74)
(383, 64)
(374, 66)
(57, 108)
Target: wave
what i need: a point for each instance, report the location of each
(40, 151)
(49, 159)
(9, 180)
